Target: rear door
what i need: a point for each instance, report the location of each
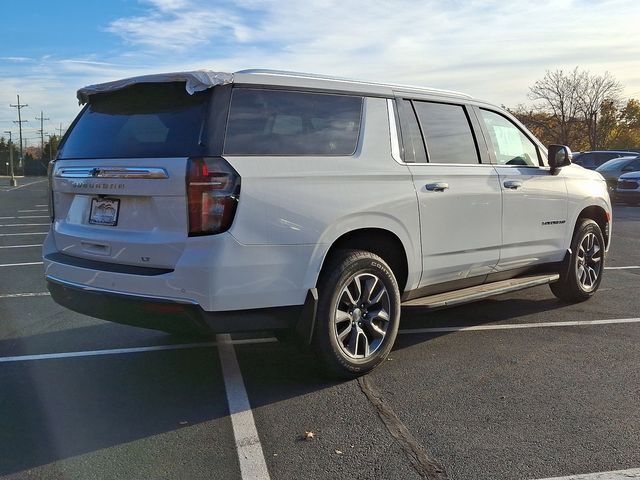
(534, 202)
(119, 192)
(458, 195)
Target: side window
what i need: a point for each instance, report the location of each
(414, 151)
(512, 147)
(447, 133)
(276, 122)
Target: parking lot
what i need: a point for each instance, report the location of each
(520, 386)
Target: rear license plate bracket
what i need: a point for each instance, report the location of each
(104, 211)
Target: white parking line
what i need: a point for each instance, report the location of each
(622, 268)
(614, 475)
(25, 216)
(21, 246)
(14, 234)
(22, 295)
(32, 211)
(25, 185)
(123, 351)
(253, 341)
(25, 225)
(42, 205)
(23, 264)
(249, 449)
(515, 326)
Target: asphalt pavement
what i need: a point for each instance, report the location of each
(520, 386)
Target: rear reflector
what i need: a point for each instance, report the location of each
(213, 191)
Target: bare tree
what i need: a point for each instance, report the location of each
(574, 100)
(599, 93)
(559, 94)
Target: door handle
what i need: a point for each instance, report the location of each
(512, 184)
(437, 187)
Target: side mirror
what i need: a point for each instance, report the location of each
(559, 156)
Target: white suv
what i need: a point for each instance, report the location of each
(265, 200)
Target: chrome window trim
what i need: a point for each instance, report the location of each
(111, 172)
(393, 132)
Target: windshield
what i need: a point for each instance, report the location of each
(144, 120)
(614, 164)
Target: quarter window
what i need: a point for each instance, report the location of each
(414, 151)
(447, 133)
(511, 146)
(275, 122)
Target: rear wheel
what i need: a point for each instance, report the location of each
(583, 277)
(358, 313)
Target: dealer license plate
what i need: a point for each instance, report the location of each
(104, 211)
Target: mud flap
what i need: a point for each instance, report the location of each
(307, 322)
(565, 265)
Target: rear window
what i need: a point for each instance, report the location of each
(276, 122)
(144, 120)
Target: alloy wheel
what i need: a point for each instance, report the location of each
(362, 316)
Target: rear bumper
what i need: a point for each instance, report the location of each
(166, 314)
(214, 272)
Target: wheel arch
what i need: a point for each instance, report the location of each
(384, 243)
(598, 215)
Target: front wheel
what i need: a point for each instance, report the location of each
(358, 313)
(583, 277)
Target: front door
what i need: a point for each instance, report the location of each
(534, 202)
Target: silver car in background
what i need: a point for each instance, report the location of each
(612, 170)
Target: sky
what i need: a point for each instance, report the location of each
(491, 49)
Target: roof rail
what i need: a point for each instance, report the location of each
(284, 73)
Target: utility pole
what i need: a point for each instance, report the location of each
(13, 178)
(60, 131)
(19, 106)
(41, 131)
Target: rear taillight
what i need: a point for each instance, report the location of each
(213, 191)
(50, 177)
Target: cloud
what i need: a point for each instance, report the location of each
(490, 48)
(177, 25)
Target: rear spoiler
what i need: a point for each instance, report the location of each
(195, 81)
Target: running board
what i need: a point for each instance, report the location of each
(479, 292)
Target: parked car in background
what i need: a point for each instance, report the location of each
(612, 170)
(595, 158)
(628, 190)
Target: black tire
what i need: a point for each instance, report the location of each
(348, 270)
(572, 284)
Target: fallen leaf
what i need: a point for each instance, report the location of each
(338, 452)
(308, 436)
(183, 422)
